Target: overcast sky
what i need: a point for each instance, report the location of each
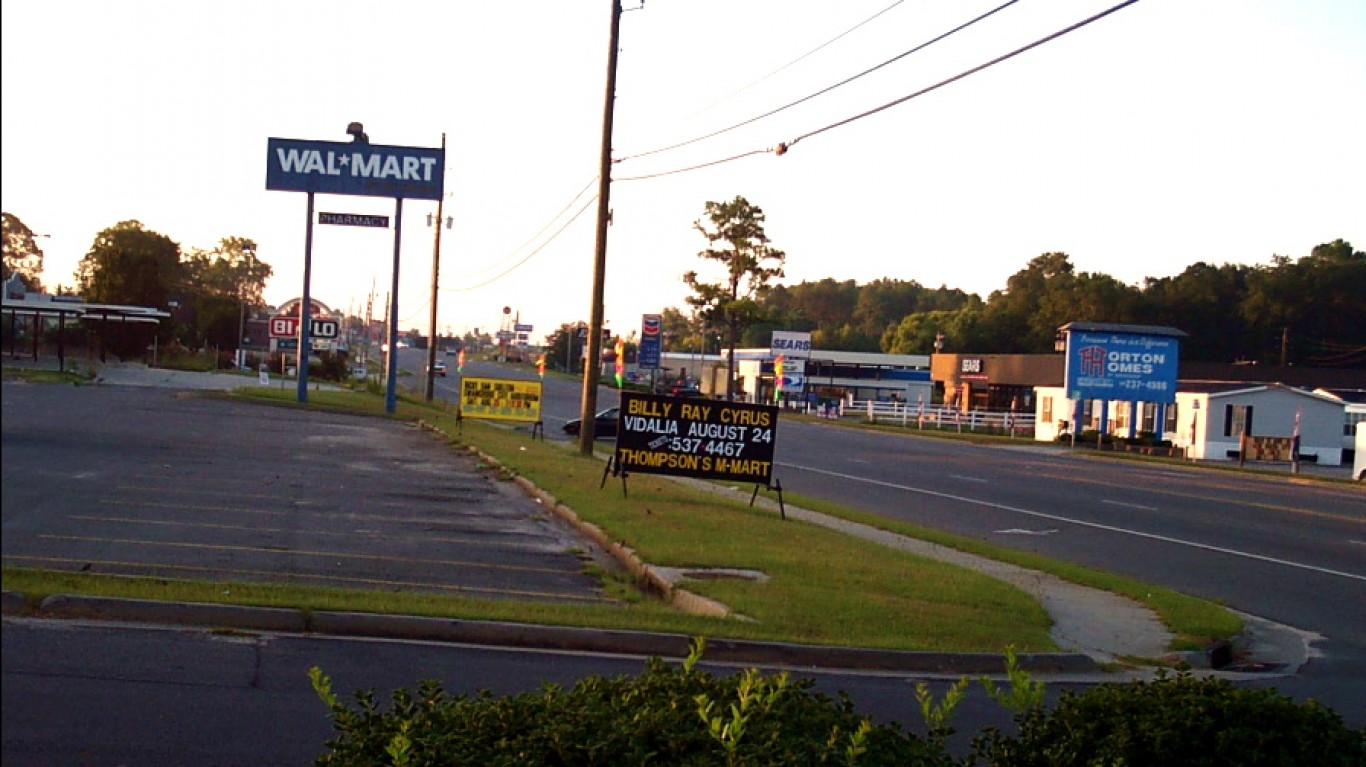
(1169, 132)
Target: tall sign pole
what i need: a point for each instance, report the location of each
(357, 168)
(429, 390)
(391, 374)
(592, 365)
(305, 320)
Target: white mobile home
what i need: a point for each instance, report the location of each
(1208, 419)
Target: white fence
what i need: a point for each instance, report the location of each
(912, 415)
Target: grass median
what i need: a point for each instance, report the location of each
(818, 586)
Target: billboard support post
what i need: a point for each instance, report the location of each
(358, 168)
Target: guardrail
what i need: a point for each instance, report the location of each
(942, 417)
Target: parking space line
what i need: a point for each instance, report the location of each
(388, 584)
(306, 553)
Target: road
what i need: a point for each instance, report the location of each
(79, 694)
(1279, 548)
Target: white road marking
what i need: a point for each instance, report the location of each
(1082, 522)
(968, 479)
(1129, 505)
(1022, 531)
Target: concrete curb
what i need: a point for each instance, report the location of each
(648, 578)
(532, 636)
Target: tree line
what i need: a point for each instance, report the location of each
(1309, 311)
(209, 292)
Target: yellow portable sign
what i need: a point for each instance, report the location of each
(501, 399)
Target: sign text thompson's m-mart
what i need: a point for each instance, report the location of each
(705, 439)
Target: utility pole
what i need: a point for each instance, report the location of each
(592, 365)
(429, 389)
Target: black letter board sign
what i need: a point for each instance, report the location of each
(690, 437)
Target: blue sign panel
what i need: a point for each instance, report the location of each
(651, 336)
(1121, 366)
(371, 170)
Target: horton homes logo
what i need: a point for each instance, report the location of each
(374, 170)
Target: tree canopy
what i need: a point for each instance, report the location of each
(22, 255)
(1306, 311)
(735, 234)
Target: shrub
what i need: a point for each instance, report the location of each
(1176, 720)
(669, 715)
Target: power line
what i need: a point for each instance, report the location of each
(784, 147)
(825, 90)
(818, 48)
(528, 257)
(533, 237)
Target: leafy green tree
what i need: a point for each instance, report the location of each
(916, 333)
(735, 233)
(1204, 301)
(220, 288)
(22, 255)
(129, 264)
(1318, 299)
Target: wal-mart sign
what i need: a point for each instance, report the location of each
(1121, 366)
(371, 170)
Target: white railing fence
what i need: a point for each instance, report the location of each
(913, 415)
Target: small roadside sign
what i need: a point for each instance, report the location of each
(353, 219)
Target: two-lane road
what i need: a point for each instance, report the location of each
(1280, 548)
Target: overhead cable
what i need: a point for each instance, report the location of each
(783, 147)
(817, 49)
(528, 257)
(533, 237)
(826, 90)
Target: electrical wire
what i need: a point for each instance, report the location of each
(532, 238)
(825, 90)
(788, 145)
(797, 60)
(783, 147)
(528, 257)
(642, 177)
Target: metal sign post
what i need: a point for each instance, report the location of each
(357, 168)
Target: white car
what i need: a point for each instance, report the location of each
(439, 368)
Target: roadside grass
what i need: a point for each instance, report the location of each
(822, 587)
(35, 375)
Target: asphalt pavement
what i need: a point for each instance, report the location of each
(1092, 627)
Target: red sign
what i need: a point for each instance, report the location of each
(287, 326)
(284, 326)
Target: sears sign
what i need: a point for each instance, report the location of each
(1129, 367)
(790, 344)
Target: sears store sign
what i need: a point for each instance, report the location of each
(790, 344)
(1121, 366)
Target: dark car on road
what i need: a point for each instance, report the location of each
(439, 368)
(604, 424)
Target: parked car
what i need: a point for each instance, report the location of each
(439, 368)
(604, 424)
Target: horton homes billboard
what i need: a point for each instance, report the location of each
(1129, 363)
(371, 170)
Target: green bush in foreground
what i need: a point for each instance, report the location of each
(669, 715)
(681, 716)
(1176, 720)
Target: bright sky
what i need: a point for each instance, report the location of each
(1170, 132)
